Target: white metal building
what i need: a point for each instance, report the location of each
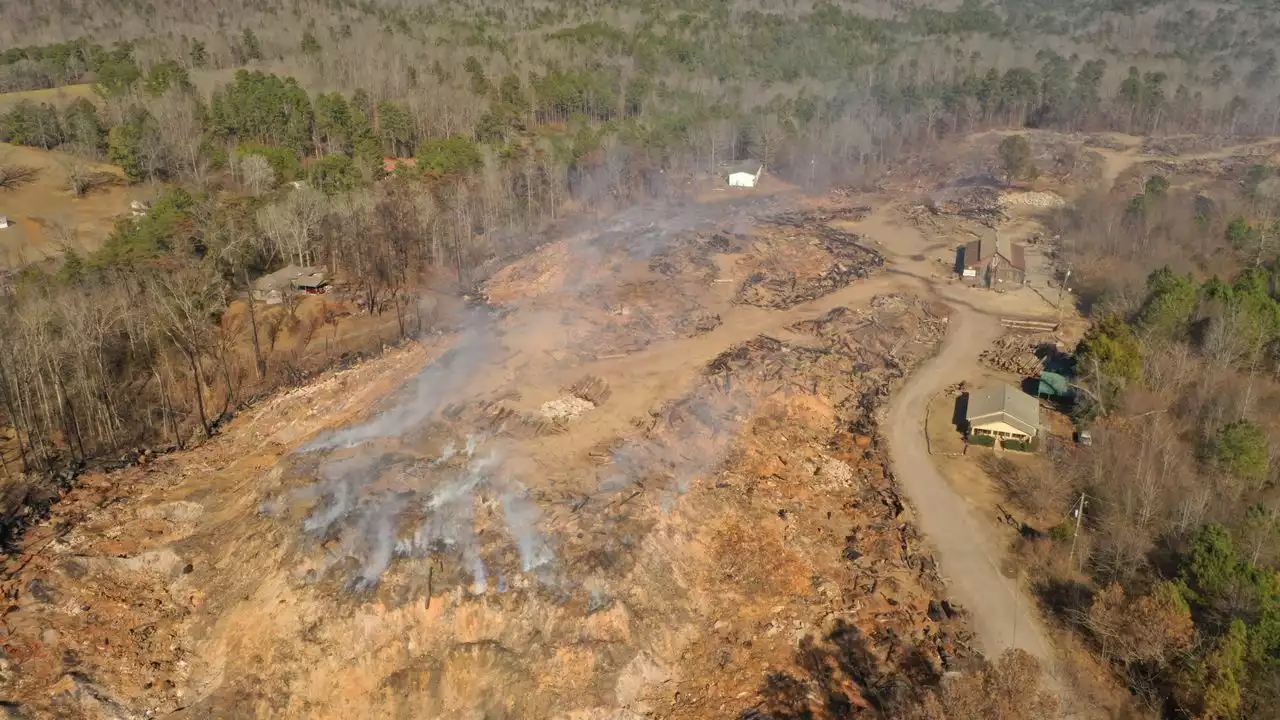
(745, 174)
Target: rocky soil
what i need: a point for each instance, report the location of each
(664, 502)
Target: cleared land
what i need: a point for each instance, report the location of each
(648, 476)
(59, 96)
(45, 215)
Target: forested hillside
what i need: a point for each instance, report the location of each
(272, 131)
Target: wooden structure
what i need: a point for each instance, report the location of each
(992, 261)
(270, 289)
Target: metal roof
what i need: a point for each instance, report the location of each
(980, 251)
(1003, 402)
(283, 277)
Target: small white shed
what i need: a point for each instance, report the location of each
(745, 174)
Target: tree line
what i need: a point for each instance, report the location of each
(600, 113)
(1173, 577)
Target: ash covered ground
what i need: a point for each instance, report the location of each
(635, 481)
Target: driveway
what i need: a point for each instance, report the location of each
(968, 550)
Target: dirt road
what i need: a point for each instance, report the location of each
(966, 546)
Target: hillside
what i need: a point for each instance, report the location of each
(542, 521)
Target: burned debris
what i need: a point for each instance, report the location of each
(980, 202)
(804, 258)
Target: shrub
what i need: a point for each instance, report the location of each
(983, 440)
(1018, 445)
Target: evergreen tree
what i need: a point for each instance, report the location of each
(250, 46)
(395, 127)
(1015, 156)
(1171, 301)
(1242, 450)
(310, 46)
(83, 126)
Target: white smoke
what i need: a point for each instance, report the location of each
(383, 506)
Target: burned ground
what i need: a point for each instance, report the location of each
(629, 487)
(745, 521)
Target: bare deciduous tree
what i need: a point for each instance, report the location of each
(256, 174)
(291, 223)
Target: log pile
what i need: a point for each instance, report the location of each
(592, 389)
(1015, 353)
(803, 258)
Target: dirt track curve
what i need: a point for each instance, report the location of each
(1002, 616)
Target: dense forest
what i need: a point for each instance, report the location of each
(404, 144)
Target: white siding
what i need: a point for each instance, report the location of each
(992, 428)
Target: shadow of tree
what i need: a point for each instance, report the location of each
(1067, 600)
(843, 677)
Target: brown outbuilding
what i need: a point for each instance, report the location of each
(993, 261)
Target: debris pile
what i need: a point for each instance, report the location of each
(1017, 353)
(565, 408)
(698, 322)
(1176, 145)
(802, 258)
(1106, 142)
(1032, 199)
(591, 389)
(977, 202)
(800, 457)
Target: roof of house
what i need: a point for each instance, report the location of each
(1003, 402)
(751, 167)
(980, 251)
(311, 280)
(290, 274)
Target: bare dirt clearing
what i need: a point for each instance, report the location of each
(45, 216)
(480, 555)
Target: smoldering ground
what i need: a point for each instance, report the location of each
(426, 479)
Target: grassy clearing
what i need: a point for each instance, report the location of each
(205, 82)
(59, 96)
(45, 216)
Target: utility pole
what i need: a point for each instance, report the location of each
(1061, 287)
(1079, 513)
